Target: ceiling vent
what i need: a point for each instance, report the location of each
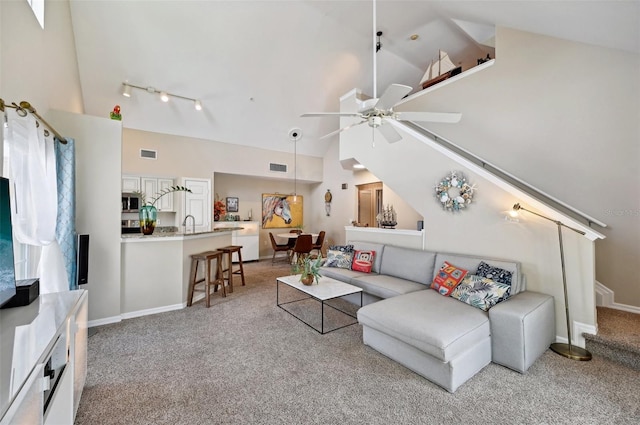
(280, 168)
(148, 154)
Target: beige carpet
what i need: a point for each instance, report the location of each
(246, 361)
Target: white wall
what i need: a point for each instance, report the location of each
(38, 66)
(98, 144)
(564, 117)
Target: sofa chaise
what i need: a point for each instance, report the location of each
(441, 338)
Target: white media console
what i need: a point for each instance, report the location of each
(43, 359)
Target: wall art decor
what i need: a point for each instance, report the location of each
(327, 202)
(454, 192)
(280, 211)
(232, 204)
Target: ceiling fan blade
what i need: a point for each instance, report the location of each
(342, 129)
(392, 95)
(446, 117)
(330, 114)
(390, 133)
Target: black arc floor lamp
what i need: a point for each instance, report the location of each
(566, 350)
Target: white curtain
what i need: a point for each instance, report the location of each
(33, 174)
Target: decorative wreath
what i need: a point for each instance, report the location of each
(465, 195)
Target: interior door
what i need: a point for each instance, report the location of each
(369, 203)
(198, 203)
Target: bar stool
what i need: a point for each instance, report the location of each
(230, 250)
(207, 257)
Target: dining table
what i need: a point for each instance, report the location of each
(287, 236)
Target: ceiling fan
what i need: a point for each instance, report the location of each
(377, 112)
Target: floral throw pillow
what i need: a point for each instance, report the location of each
(448, 278)
(496, 274)
(339, 259)
(363, 261)
(480, 292)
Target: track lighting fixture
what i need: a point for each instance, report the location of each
(164, 96)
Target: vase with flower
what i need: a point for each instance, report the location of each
(219, 208)
(148, 212)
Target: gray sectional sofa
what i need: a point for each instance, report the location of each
(443, 339)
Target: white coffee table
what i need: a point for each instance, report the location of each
(327, 289)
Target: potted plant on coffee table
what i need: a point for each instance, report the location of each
(309, 269)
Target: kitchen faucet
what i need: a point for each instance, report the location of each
(193, 222)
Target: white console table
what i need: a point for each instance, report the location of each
(53, 327)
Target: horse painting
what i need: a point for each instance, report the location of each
(277, 206)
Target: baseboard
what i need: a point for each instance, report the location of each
(105, 321)
(605, 298)
(577, 331)
(149, 311)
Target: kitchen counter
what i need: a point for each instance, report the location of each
(155, 268)
(173, 236)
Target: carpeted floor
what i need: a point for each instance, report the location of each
(246, 361)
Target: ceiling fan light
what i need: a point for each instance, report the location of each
(198, 105)
(164, 96)
(126, 90)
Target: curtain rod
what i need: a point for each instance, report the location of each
(25, 107)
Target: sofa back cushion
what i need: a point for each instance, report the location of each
(370, 246)
(471, 263)
(406, 263)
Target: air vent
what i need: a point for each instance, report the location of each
(148, 154)
(281, 168)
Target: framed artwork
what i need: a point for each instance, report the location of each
(232, 204)
(280, 211)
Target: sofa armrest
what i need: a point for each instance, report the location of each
(522, 328)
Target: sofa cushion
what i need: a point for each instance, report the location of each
(343, 275)
(407, 263)
(370, 246)
(340, 259)
(471, 263)
(385, 286)
(448, 277)
(440, 326)
(480, 292)
(363, 261)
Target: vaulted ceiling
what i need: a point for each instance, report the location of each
(257, 65)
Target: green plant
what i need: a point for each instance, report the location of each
(171, 189)
(308, 266)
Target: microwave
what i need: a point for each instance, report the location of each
(130, 202)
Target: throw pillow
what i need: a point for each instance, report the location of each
(341, 248)
(363, 261)
(448, 278)
(480, 292)
(339, 259)
(496, 274)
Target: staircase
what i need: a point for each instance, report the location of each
(618, 337)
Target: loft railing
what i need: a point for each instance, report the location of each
(507, 177)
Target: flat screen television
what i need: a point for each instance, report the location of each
(7, 265)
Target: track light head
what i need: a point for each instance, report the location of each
(198, 105)
(164, 96)
(126, 90)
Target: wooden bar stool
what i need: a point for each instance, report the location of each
(230, 250)
(207, 257)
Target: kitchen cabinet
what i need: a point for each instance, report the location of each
(50, 334)
(130, 184)
(152, 186)
(248, 237)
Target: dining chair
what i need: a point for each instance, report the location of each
(279, 248)
(303, 246)
(318, 243)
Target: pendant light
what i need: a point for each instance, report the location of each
(295, 134)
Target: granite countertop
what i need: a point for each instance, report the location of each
(177, 234)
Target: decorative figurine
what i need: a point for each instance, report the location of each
(327, 202)
(115, 114)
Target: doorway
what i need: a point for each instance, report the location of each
(369, 203)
